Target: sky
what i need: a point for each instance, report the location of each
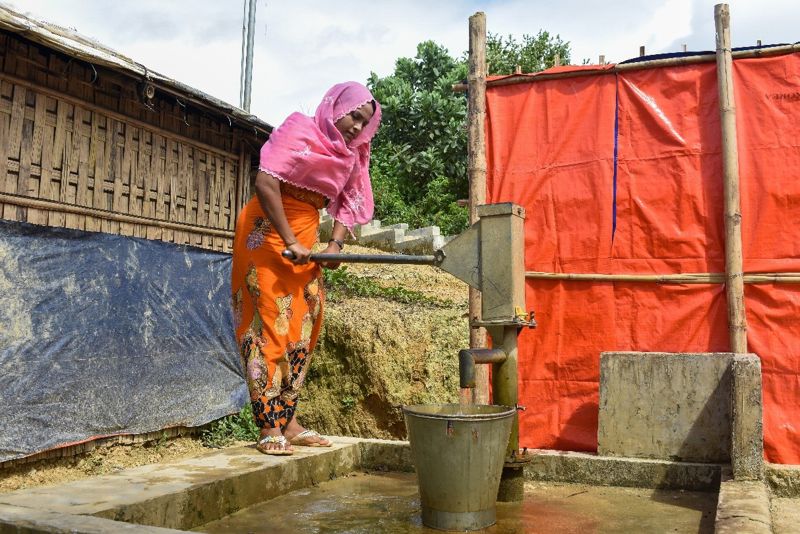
(302, 47)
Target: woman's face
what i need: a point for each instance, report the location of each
(352, 124)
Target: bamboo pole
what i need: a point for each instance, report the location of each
(685, 278)
(638, 65)
(737, 321)
(49, 205)
(476, 170)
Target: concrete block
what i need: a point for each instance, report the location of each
(361, 230)
(747, 436)
(419, 245)
(384, 238)
(427, 231)
(386, 455)
(742, 506)
(585, 468)
(399, 226)
(665, 405)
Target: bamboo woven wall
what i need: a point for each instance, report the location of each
(80, 149)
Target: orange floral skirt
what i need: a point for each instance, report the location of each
(277, 308)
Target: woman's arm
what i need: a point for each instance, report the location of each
(338, 233)
(268, 191)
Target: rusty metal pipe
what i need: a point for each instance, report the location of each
(468, 358)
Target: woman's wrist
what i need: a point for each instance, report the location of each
(339, 243)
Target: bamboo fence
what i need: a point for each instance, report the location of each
(80, 149)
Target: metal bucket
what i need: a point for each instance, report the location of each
(458, 453)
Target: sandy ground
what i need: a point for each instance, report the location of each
(100, 461)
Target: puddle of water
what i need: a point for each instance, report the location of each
(389, 503)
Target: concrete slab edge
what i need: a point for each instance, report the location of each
(742, 506)
(20, 520)
(215, 498)
(386, 455)
(585, 468)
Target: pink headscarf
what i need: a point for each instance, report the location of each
(311, 153)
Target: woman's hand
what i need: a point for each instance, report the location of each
(332, 248)
(301, 253)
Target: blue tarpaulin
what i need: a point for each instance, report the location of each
(103, 335)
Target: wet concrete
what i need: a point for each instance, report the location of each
(389, 503)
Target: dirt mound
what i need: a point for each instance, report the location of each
(377, 354)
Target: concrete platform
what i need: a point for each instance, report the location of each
(191, 492)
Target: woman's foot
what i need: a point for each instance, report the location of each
(302, 437)
(272, 442)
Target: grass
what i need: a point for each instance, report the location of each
(236, 427)
(341, 283)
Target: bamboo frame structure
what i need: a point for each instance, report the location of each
(686, 278)
(734, 277)
(476, 172)
(734, 262)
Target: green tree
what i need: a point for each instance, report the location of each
(419, 157)
(533, 54)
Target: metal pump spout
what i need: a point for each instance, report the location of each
(467, 358)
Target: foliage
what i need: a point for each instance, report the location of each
(419, 166)
(419, 156)
(341, 283)
(236, 427)
(533, 54)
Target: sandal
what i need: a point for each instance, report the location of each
(261, 446)
(310, 438)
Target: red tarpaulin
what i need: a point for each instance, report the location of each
(621, 173)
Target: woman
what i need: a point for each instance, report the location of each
(277, 302)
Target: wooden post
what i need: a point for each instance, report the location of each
(602, 60)
(557, 60)
(737, 322)
(641, 51)
(476, 170)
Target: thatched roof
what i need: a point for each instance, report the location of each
(86, 49)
